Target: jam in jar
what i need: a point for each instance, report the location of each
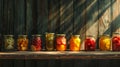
(105, 42)
(50, 41)
(36, 44)
(60, 42)
(116, 42)
(90, 43)
(8, 42)
(75, 43)
(22, 42)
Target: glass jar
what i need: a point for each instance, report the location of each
(105, 43)
(60, 42)
(116, 42)
(90, 43)
(50, 41)
(75, 43)
(36, 44)
(8, 42)
(22, 42)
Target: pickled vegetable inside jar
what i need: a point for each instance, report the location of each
(60, 42)
(105, 43)
(75, 43)
(50, 41)
(90, 43)
(116, 42)
(8, 42)
(22, 42)
(36, 44)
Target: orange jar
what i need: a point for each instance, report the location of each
(75, 43)
(105, 43)
(60, 42)
(22, 42)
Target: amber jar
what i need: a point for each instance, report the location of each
(49, 41)
(75, 42)
(90, 43)
(36, 44)
(22, 42)
(60, 42)
(116, 42)
(8, 42)
(105, 42)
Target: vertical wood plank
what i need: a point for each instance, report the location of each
(79, 19)
(19, 63)
(66, 17)
(11, 16)
(53, 15)
(5, 24)
(7, 63)
(92, 18)
(115, 16)
(42, 63)
(104, 17)
(42, 19)
(19, 27)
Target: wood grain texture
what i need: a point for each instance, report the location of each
(60, 55)
(105, 18)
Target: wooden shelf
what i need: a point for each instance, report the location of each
(60, 55)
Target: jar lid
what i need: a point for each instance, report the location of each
(76, 35)
(49, 33)
(22, 35)
(36, 35)
(60, 34)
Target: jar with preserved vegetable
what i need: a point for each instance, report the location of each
(60, 42)
(50, 41)
(22, 42)
(116, 42)
(105, 42)
(90, 43)
(75, 42)
(8, 42)
(36, 44)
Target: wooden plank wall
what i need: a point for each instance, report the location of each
(84, 17)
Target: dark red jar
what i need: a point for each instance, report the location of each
(116, 42)
(36, 44)
(90, 43)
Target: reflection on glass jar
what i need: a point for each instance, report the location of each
(75, 43)
(8, 42)
(105, 43)
(36, 43)
(22, 42)
(50, 41)
(90, 43)
(60, 42)
(116, 42)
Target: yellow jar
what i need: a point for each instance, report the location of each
(50, 41)
(8, 42)
(75, 43)
(105, 43)
(22, 43)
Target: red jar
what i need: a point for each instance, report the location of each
(36, 43)
(116, 42)
(60, 42)
(90, 43)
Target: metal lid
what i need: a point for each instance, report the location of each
(60, 34)
(37, 35)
